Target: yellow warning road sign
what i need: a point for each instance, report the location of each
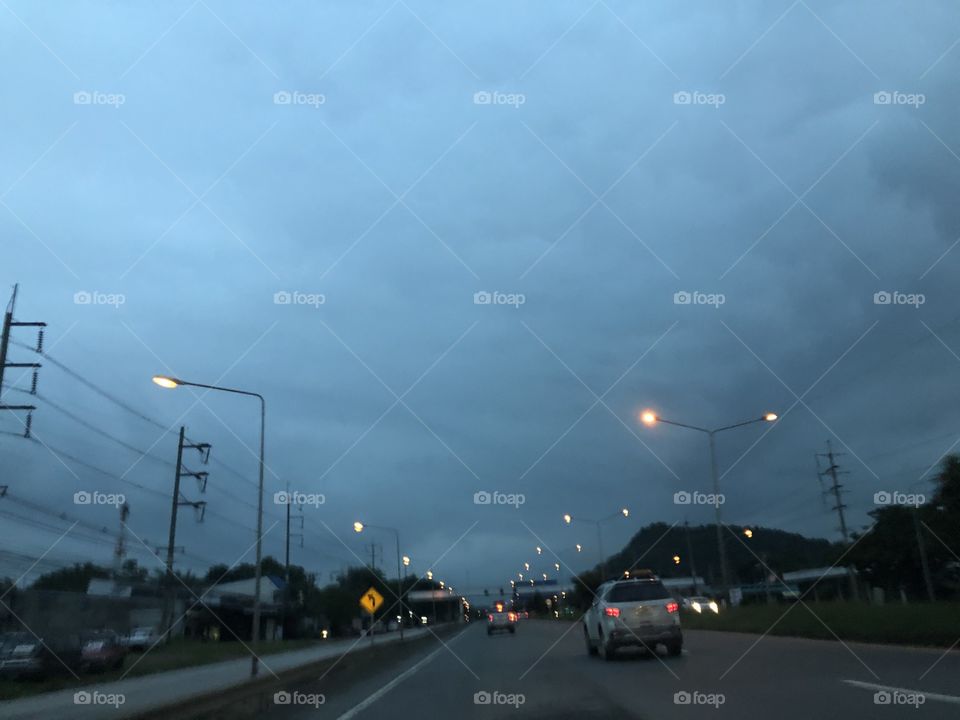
(371, 600)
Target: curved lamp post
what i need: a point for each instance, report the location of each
(165, 381)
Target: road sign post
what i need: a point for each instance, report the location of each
(370, 601)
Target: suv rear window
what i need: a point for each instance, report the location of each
(634, 592)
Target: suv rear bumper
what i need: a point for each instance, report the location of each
(622, 637)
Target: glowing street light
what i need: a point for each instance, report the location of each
(568, 519)
(650, 418)
(170, 383)
(406, 561)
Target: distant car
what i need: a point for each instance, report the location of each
(632, 612)
(699, 603)
(141, 638)
(101, 651)
(25, 656)
(501, 620)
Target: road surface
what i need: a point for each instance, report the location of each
(544, 672)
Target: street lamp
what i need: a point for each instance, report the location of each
(170, 383)
(650, 418)
(569, 519)
(358, 527)
(406, 561)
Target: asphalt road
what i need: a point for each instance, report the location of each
(544, 672)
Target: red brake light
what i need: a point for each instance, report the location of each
(611, 611)
(672, 607)
(511, 616)
(490, 618)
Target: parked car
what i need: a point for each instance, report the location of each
(632, 611)
(25, 656)
(141, 638)
(101, 651)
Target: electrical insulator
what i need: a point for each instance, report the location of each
(26, 428)
(40, 341)
(33, 384)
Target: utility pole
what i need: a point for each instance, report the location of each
(204, 449)
(286, 575)
(8, 324)
(924, 564)
(693, 566)
(833, 471)
(120, 550)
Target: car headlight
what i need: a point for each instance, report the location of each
(714, 607)
(696, 607)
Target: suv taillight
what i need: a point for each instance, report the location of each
(611, 612)
(512, 617)
(490, 618)
(672, 607)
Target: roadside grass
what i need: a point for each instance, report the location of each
(925, 624)
(177, 654)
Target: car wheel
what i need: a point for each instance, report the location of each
(512, 630)
(591, 648)
(675, 647)
(489, 631)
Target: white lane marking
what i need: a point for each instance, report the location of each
(890, 688)
(363, 705)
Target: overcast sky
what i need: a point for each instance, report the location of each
(587, 161)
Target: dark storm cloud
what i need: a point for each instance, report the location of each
(397, 197)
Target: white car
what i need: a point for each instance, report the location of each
(141, 638)
(636, 611)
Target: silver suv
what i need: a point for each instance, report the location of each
(632, 611)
